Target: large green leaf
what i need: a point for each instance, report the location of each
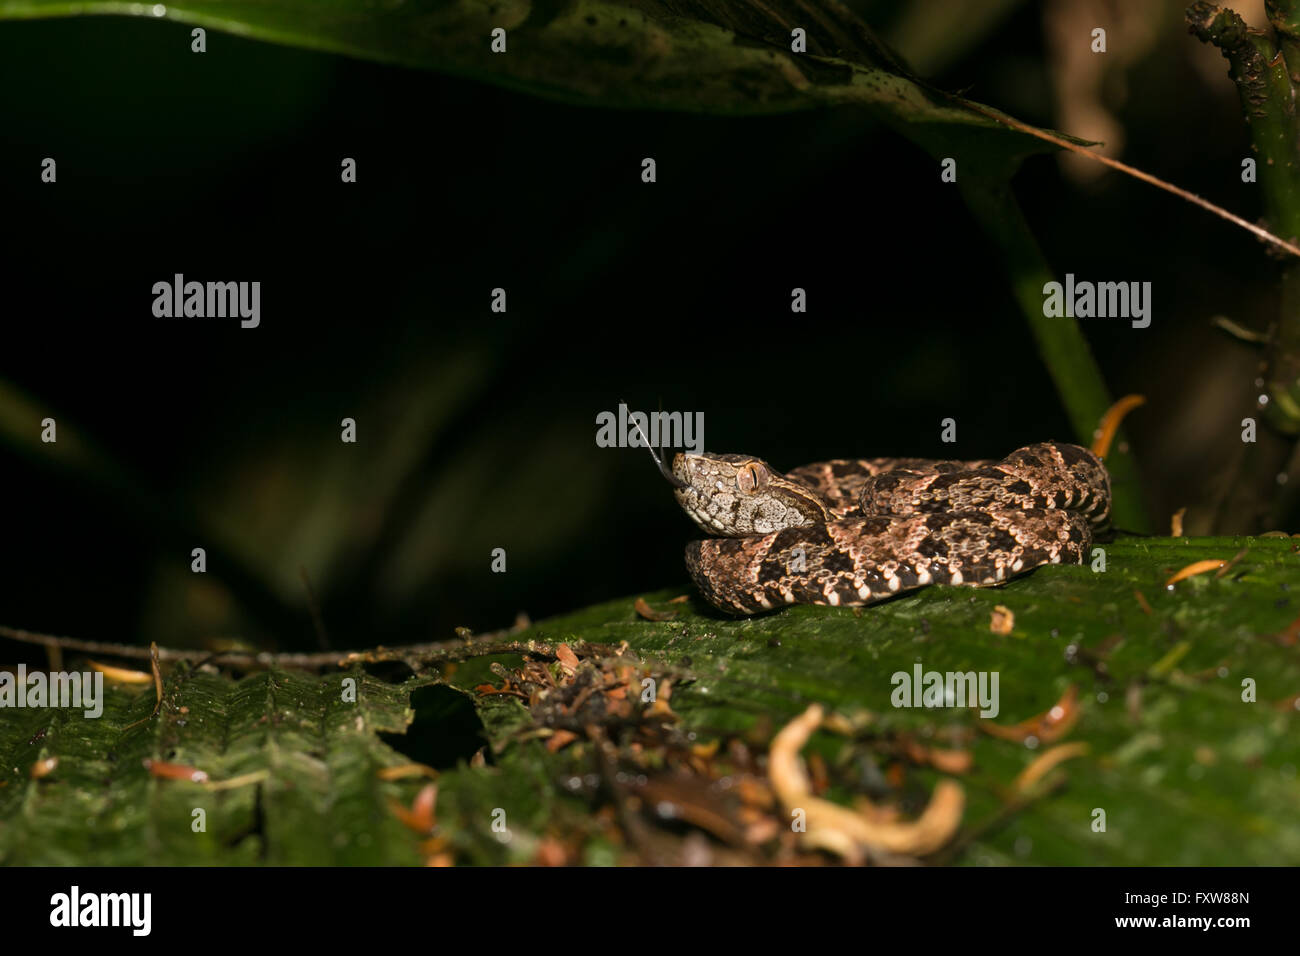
(1186, 769)
(701, 55)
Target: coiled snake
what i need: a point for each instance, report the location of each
(851, 532)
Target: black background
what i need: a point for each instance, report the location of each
(225, 166)
(929, 903)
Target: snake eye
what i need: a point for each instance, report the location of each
(751, 477)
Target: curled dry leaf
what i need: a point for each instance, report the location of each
(947, 761)
(707, 751)
(1105, 434)
(1047, 727)
(175, 771)
(1193, 569)
(846, 832)
(420, 817)
(406, 771)
(559, 740)
(1045, 761)
(120, 675)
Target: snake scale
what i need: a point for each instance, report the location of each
(853, 531)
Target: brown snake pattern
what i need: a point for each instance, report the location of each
(851, 532)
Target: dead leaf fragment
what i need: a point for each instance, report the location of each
(551, 852)
(1142, 601)
(121, 675)
(568, 660)
(650, 614)
(1193, 569)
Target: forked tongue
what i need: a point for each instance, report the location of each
(659, 463)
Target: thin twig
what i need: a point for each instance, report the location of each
(1136, 173)
(483, 645)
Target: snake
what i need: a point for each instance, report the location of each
(851, 532)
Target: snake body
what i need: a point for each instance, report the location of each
(853, 531)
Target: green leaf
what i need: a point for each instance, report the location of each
(703, 56)
(319, 802)
(1185, 769)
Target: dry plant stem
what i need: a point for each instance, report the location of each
(437, 652)
(1260, 74)
(1263, 76)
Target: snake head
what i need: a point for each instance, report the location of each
(739, 495)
